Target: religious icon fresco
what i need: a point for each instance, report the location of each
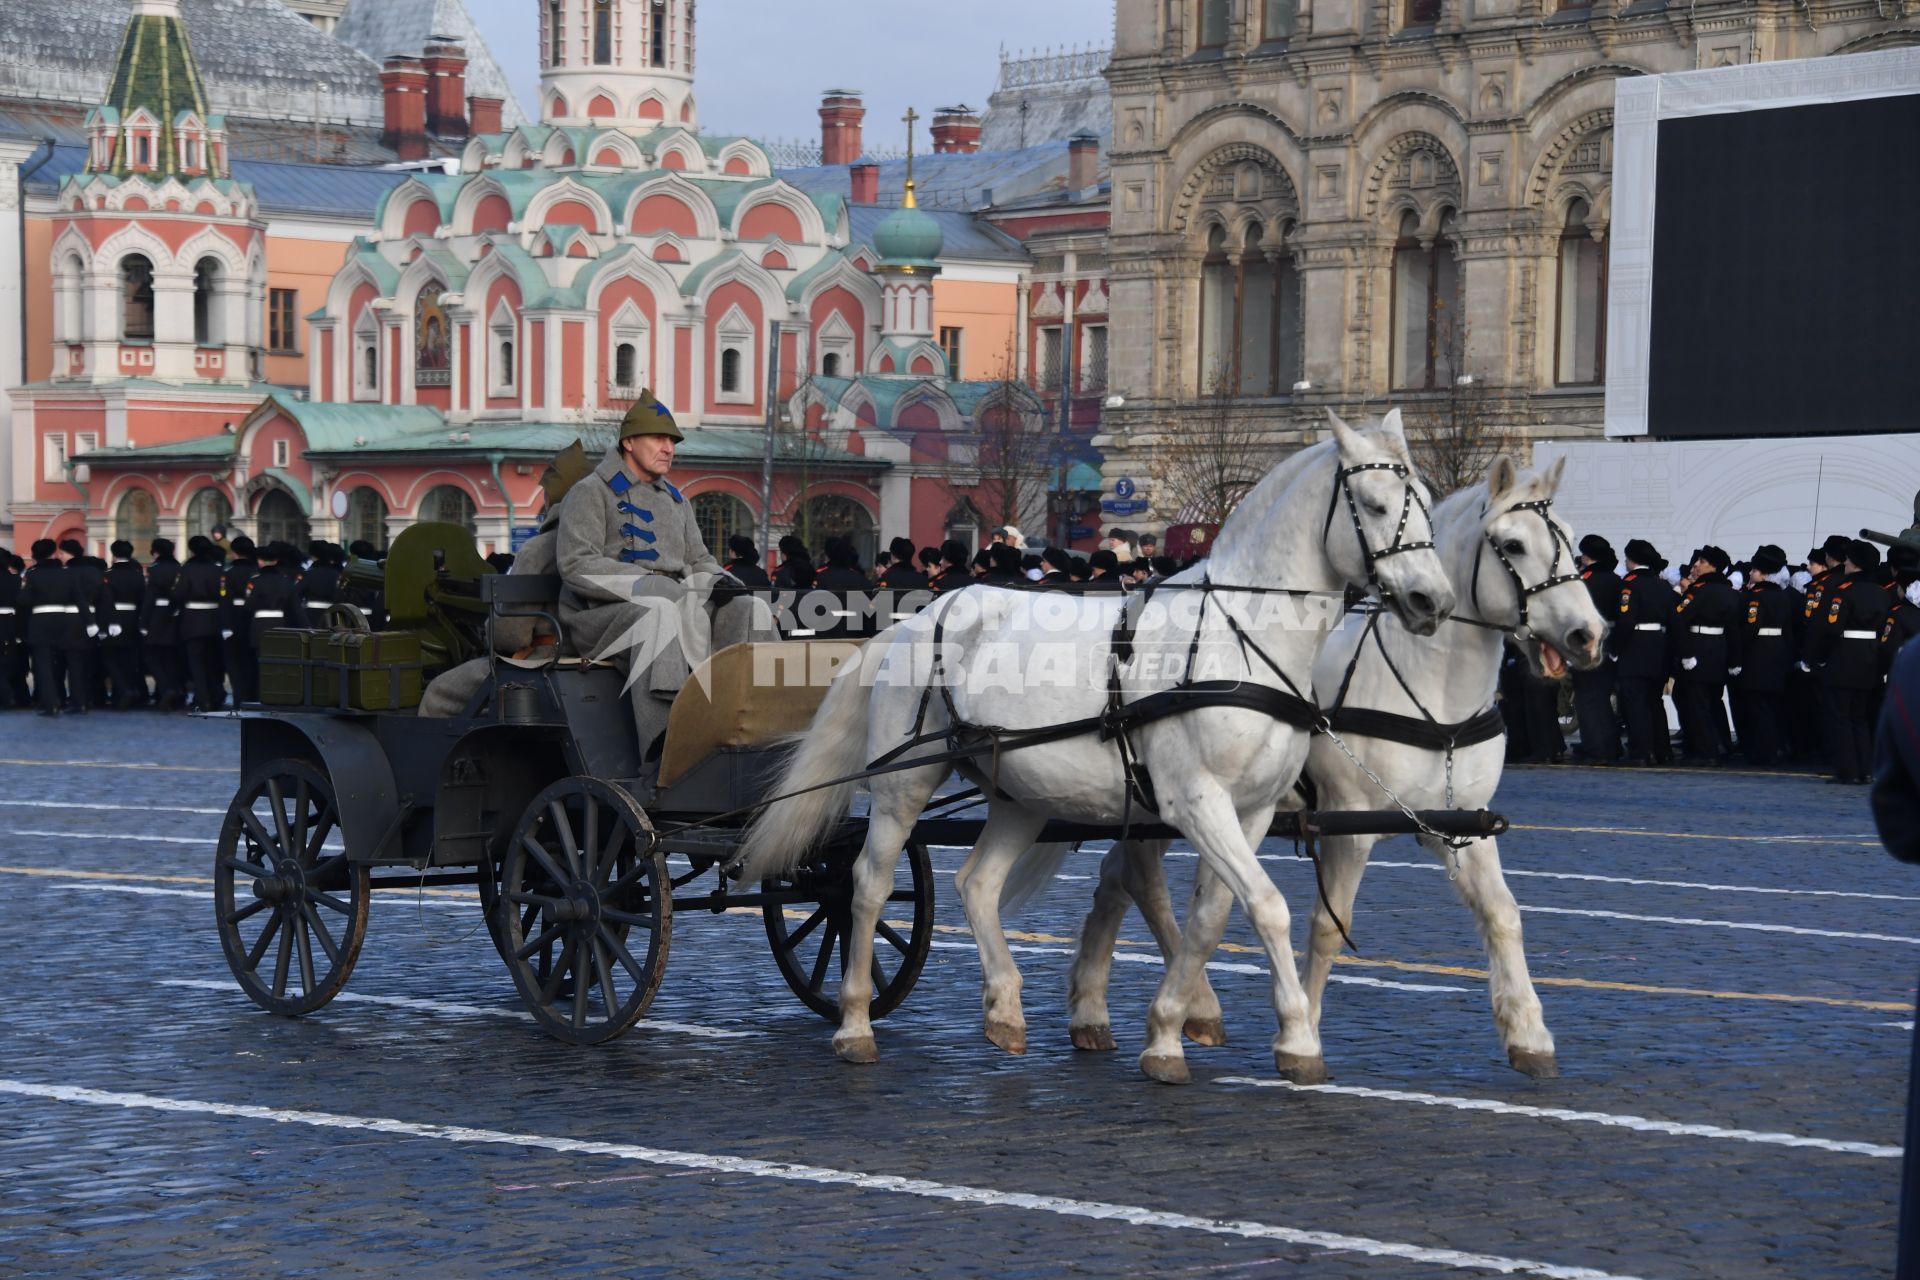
(432, 342)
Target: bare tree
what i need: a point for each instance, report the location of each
(1455, 440)
(1206, 462)
(1003, 466)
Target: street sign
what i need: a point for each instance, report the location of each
(1123, 487)
(1123, 507)
(1075, 532)
(522, 535)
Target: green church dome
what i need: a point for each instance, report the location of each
(909, 237)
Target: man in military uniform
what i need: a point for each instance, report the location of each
(11, 629)
(59, 614)
(86, 673)
(638, 578)
(1768, 633)
(126, 591)
(243, 667)
(1843, 648)
(1593, 690)
(319, 586)
(272, 597)
(160, 629)
(1903, 620)
(197, 608)
(1705, 645)
(1638, 645)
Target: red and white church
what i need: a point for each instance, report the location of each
(495, 314)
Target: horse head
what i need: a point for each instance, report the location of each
(1525, 575)
(1379, 526)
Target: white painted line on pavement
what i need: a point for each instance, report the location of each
(783, 1171)
(478, 1010)
(1665, 884)
(121, 764)
(1223, 966)
(1642, 1124)
(1904, 1026)
(144, 891)
(134, 808)
(1722, 924)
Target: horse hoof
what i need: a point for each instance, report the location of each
(1009, 1037)
(857, 1049)
(1094, 1039)
(1541, 1066)
(1211, 1032)
(1167, 1068)
(1299, 1070)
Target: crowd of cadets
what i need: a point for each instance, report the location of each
(1122, 561)
(1798, 653)
(79, 633)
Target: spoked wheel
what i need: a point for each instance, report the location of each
(292, 909)
(586, 909)
(819, 896)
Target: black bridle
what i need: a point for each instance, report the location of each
(1343, 484)
(1523, 593)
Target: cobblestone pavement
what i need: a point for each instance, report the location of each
(1727, 961)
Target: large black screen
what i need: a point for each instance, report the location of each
(1786, 272)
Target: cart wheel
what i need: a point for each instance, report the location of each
(804, 943)
(281, 887)
(582, 875)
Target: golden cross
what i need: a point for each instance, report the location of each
(909, 119)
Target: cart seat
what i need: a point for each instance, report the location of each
(749, 695)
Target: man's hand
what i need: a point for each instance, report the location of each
(1688, 664)
(92, 631)
(113, 631)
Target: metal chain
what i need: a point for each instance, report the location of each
(1454, 843)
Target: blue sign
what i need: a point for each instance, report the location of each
(522, 535)
(1115, 507)
(1123, 487)
(1075, 532)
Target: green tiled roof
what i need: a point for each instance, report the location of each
(215, 447)
(156, 71)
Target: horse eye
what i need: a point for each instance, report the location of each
(1515, 547)
(1376, 508)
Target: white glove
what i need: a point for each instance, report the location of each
(1804, 667)
(1688, 664)
(1734, 671)
(92, 631)
(226, 635)
(113, 632)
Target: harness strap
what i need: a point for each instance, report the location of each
(1427, 734)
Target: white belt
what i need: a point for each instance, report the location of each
(56, 608)
(1859, 635)
(1770, 631)
(319, 604)
(122, 605)
(203, 604)
(1708, 631)
(1649, 626)
(160, 603)
(269, 613)
(6, 610)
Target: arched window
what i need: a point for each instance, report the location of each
(506, 362)
(830, 364)
(602, 32)
(730, 371)
(1216, 316)
(136, 288)
(280, 519)
(1276, 19)
(556, 33)
(1580, 345)
(1428, 333)
(1258, 287)
(1213, 24)
(205, 273)
(720, 516)
(658, 52)
(370, 368)
(366, 519)
(448, 504)
(1249, 322)
(831, 516)
(209, 507)
(625, 360)
(73, 300)
(137, 520)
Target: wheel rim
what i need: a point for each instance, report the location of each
(810, 945)
(292, 909)
(585, 910)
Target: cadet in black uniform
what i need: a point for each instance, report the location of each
(319, 586)
(11, 630)
(58, 616)
(1843, 647)
(86, 673)
(197, 607)
(1705, 644)
(243, 672)
(273, 597)
(1769, 643)
(1593, 690)
(126, 590)
(1638, 644)
(1903, 621)
(160, 629)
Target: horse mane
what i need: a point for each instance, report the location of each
(1250, 513)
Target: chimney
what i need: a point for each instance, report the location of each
(865, 176)
(403, 83)
(956, 131)
(1083, 162)
(841, 112)
(483, 115)
(445, 61)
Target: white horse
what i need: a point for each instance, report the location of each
(1347, 511)
(1512, 565)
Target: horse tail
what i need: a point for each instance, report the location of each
(1033, 872)
(834, 746)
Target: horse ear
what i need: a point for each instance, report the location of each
(1348, 438)
(1501, 477)
(1553, 474)
(1395, 433)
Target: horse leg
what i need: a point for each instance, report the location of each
(1087, 1019)
(1516, 1007)
(897, 802)
(1343, 860)
(1009, 832)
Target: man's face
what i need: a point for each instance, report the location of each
(1701, 568)
(651, 456)
(1854, 568)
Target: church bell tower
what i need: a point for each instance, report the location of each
(625, 63)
